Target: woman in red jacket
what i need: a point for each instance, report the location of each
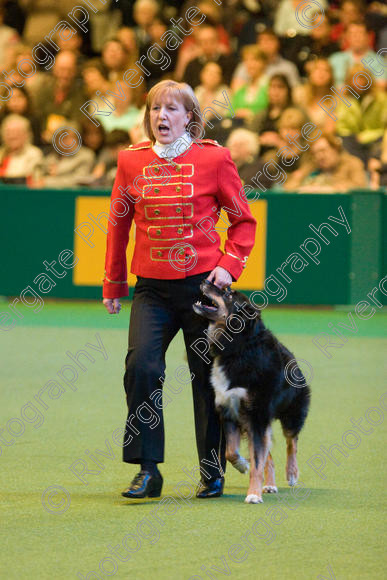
(173, 187)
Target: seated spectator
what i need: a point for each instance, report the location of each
(19, 160)
(322, 45)
(93, 137)
(266, 122)
(377, 166)
(191, 48)
(105, 170)
(60, 94)
(269, 43)
(127, 37)
(307, 96)
(209, 49)
(252, 97)
(8, 36)
(95, 79)
(126, 115)
(362, 121)
(292, 152)
(61, 171)
(211, 88)
(19, 55)
(144, 12)
(350, 11)
(334, 170)
(157, 29)
(72, 41)
(358, 49)
(115, 59)
(244, 150)
(20, 104)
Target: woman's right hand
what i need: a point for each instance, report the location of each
(112, 305)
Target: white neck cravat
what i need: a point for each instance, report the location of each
(172, 150)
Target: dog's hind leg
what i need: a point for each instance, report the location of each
(270, 486)
(233, 437)
(259, 448)
(291, 458)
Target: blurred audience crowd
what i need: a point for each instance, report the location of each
(301, 108)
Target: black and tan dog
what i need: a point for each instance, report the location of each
(249, 376)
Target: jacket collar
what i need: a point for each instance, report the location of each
(172, 150)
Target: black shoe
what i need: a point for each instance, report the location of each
(213, 488)
(144, 485)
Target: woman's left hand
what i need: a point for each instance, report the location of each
(220, 277)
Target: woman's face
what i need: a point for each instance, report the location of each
(93, 79)
(325, 156)
(18, 103)
(211, 75)
(321, 74)
(168, 118)
(254, 66)
(113, 56)
(278, 93)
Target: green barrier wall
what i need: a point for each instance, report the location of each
(38, 224)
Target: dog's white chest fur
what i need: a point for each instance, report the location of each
(224, 397)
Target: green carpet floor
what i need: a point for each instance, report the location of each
(331, 526)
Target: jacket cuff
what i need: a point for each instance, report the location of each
(231, 264)
(115, 290)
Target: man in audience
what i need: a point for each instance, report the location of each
(358, 49)
(208, 43)
(61, 94)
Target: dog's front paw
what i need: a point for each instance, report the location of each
(270, 489)
(241, 464)
(252, 498)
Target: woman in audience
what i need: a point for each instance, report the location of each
(320, 80)
(20, 104)
(19, 159)
(266, 122)
(334, 169)
(211, 88)
(69, 169)
(115, 59)
(362, 121)
(292, 152)
(163, 64)
(95, 79)
(252, 97)
(126, 115)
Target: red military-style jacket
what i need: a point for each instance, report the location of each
(175, 206)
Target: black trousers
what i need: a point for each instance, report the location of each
(160, 309)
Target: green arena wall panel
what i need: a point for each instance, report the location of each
(301, 263)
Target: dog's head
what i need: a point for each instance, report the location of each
(220, 306)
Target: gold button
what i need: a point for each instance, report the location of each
(157, 190)
(157, 169)
(178, 189)
(178, 210)
(180, 230)
(158, 232)
(159, 254)
(157, 212)
(178, 167)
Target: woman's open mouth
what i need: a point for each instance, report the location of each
(163, 130)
